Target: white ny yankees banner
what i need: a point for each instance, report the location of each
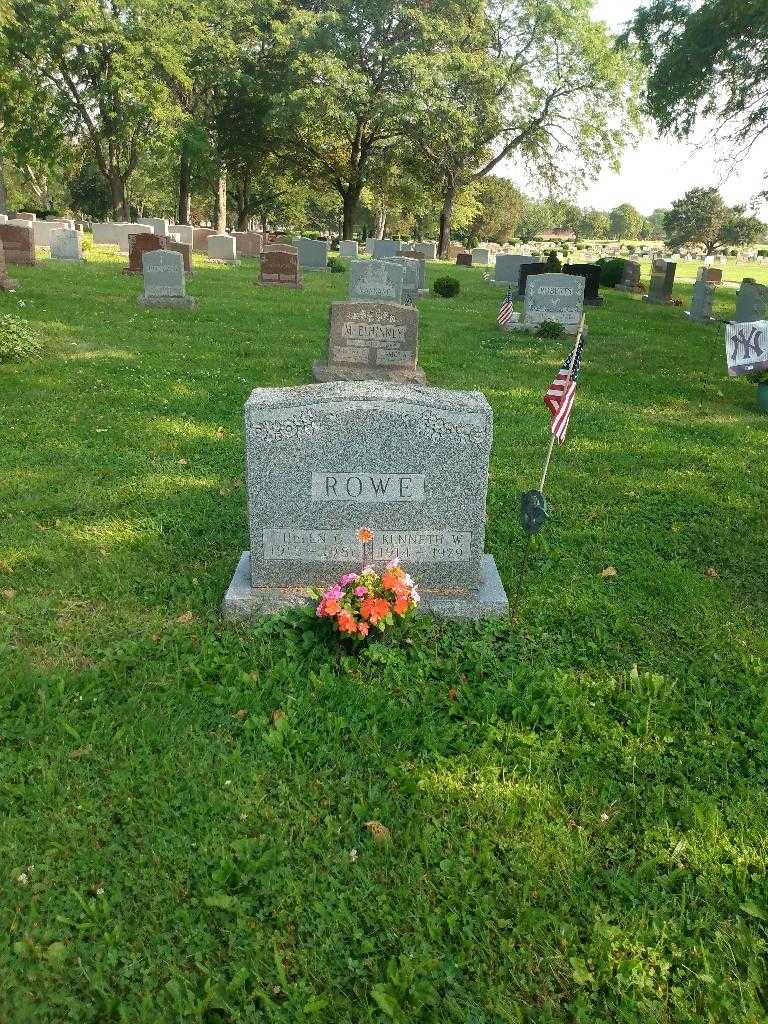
(746, 347)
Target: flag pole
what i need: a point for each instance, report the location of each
(582, 328)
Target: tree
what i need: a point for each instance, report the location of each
(534, 218)
(626, 222)
(706, 59)
(542, 84)
(499, 205)
(702, 218)
(654, 225)
(595, 224)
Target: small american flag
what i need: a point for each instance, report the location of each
(562, 391)
(506, 313)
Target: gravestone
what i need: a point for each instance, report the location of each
(200, 238)
(702, 302)
(185, 250)
(591, 273)
(481, 258)
(18, 243)
(409, 463)
(384, 248)
(348, 249)
(507, 271)
(420, 261)
(3, 218)
(43, 229)
(137, 246)
(127, 231)
(164, 285)
(222, 248)
(746, 347)
(630, 281)
(248, 243)
(159, 225)
(751, 302)
(313, 254)
(555, 297)
(411, 279)
(279, 267)
(369, 244)
(26, 216)
(464, 259)
(7, 284)
(185, 232)
(105, 234)
(66, 244)
(662, 281)
(377, 280)
(371, 341)
(427, 249)
(713, 275)
(281, 247)
(530, 269)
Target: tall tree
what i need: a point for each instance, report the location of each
(702, 218)
(595, 224)
(626, 222)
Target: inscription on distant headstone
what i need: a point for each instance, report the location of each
(164, 284)
(371, 341)
(280, 268)
(376, 279)
(555, 297)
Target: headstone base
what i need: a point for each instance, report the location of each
(8, 284)
(247, 603)
(167, 301)
(657, 302)
(594, 302)
(279, 284)
(629, 288)
(324, 373)
(313, 270)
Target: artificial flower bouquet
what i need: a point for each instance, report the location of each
(366, 601)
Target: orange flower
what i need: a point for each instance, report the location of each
(380, 609)
(389, 581)
(331, 607)
(365, 535)
(366, 607)
(363, 628)
(401, 604)
(346, 622)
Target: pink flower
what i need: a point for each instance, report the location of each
(334, 594)
(361, 591)
(366, 569)
(393, 564)
(349, 578)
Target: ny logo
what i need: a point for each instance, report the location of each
(747, 342)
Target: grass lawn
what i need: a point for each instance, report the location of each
(580, 835)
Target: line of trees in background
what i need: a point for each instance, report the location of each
(371, 114)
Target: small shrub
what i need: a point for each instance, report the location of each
(550, 329)
(336, 266)
(447, 287)
(553, 264)
(18, 339)
(762, 252)
(611, 272)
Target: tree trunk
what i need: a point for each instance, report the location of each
(446, 215)
(350, 199)
(3, 190)
(221, 201)
(185, 178)
(381, 221)
(119, 197)
(243, 194)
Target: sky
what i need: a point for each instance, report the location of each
(657, 171)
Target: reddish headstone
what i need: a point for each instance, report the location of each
(200, 239)
(464, 259)
(248, 243)
(7, 284)
(280, 268)
(186, 253)
(19, 244)
(138, 245)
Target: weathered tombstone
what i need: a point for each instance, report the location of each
(26, 216)
(313, 254)
(185, 251)
(385, 248)
(710, 274)
(420, 261)
(591, 273)
(164, 285)
(369, 244)
(66, 244)
(18, 243)
(464, 259)
(127, 231)
(630, 281)
(751, 302)
(507, 271)
(377, 280)
(279, 267)
(427, 249)
(7, 284)
(558, 298)
(702, 303)
(348, 249)
(200, 238)
(138, 244)
(481, 258)
(529, 269)
(105, 234)
(371, 341)
(405, 462)
(222, 249)
(185, 232)
(411, 279)
(662, 281)
(281, 247)
(248, 243)
(160, 225)
(43, 229)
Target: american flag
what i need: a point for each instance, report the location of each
(507, 309)
(562, 391)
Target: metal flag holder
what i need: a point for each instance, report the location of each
(534, 511)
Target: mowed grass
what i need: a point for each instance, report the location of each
(577, 804)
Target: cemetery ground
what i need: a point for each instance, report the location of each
(576, 805)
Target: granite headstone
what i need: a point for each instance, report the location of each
(376, 280)
(164, 284)
(662, 281)
(18, 243)
(558, 298)
(280, 268)
(371, 341)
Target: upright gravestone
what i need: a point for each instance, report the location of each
(127, 231)
(185, 232)
(464, 259)
(751, 302)
(702, 302)
(313, 254)
(529, 269)
(481, 258)
(105, 234)
(280, 268)
(427, 249)
(160, 225)
(18, 243)
(408, 464)
(200, 238)
(66, 244)
(371, 341)
(662, 282)
(185, 250)
(630, 281)
(410, 280)
(164, 281)
(137, 246)
(384, 248)
(591, 273)
(711, 275)
(222, 248)
(507, 270)
(369, 244)
(348, 249)
(557, 298)
(7, 284)
(419, 260)
(379, 280)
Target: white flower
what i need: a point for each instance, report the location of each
(227, 782)
(23, 878)
(100, 890)
(353, 855)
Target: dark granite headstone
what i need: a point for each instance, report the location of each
(591, 273)
(464, 259)
(528, 270)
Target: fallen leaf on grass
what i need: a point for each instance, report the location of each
(380, 833)
(183, 462)
(608, 573)
(712, 573)
(9, 594)
(185, 618)
(241, 714)
(80, 752)
(453, 694)
(277, 715)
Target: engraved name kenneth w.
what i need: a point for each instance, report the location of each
(376, 487)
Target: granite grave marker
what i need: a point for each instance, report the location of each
(164, 285)
(371, 341)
